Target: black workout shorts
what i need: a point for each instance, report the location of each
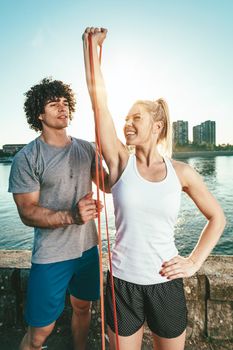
(162, 305)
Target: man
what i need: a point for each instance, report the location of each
(51, 181)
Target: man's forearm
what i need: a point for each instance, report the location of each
(37, 216)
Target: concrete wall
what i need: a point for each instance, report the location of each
(209, 296)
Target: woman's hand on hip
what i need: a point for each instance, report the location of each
(178, 267)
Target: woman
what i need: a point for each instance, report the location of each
(146, 188)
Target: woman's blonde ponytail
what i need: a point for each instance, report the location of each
(165, 137)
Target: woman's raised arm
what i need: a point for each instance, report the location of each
(114, 152)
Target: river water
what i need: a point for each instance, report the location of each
(217, 173)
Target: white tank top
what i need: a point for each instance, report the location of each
(145, 216)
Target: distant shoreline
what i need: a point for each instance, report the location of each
(201, 154)
(190, 154)
(6, 160)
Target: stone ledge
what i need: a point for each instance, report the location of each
(218, 317)
(217, 292)
(15, 259)
(217, 265)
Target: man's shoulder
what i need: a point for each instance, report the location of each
(27, 151)
(82, 142)
(90, 146)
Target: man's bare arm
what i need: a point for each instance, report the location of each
(32, 214)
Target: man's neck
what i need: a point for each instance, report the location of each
(58, 138)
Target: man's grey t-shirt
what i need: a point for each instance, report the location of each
(62, 175)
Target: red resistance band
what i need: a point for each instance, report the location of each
(99, 153)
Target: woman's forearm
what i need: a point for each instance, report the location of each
(100, 89)
(208, 239)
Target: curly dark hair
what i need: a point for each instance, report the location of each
(40, 94)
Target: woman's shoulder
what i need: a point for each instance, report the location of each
(181, 166)
(184, 171)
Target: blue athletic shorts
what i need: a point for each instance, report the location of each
(48, 283)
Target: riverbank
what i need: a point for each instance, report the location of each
(209, 295)
(6, 159)
(178, 155)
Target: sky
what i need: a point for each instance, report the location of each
(180, 50)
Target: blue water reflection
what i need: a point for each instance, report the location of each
(217, 173)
